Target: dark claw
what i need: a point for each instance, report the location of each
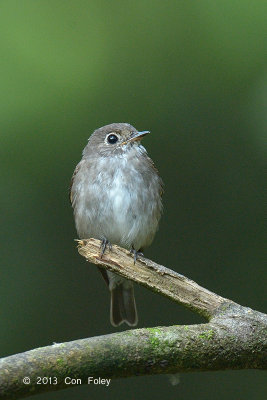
(104, 245)
(136, 254)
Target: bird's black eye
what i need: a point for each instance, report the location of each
(112, 138)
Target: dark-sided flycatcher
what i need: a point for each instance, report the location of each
(116, 196)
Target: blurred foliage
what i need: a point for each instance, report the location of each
(194, 74)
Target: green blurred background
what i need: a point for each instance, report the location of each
(194, 74)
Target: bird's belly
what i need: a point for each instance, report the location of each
(119, 214)
(118, 218)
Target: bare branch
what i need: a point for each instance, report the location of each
(162, 350)
(154, 277)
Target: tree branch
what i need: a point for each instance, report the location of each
(153, 276)
(234, 338)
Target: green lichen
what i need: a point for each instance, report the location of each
(153, 336)
(154, 341)
(207, 334)
(154, 330)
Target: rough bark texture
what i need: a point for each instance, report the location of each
(154, 277)
(234, 338)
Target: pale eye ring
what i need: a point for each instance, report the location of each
(112, 138)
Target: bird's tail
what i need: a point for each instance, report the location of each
(122, 305)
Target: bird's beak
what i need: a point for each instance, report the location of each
(136, 136)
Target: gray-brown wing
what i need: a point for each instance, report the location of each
(71, 183)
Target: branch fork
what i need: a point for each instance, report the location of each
(233, 338)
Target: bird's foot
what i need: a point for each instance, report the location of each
(136, 254)
(104, 244)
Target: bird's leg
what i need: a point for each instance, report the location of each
(104, 245)
(136, 254)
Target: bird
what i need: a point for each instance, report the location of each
(116, 195)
